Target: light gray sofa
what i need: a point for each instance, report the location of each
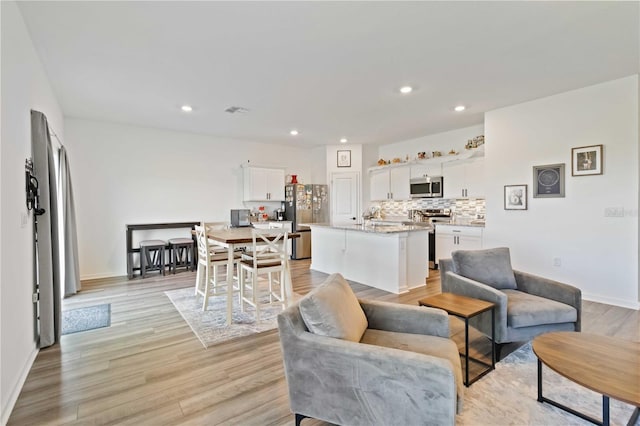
(353, 362)
(526, 305)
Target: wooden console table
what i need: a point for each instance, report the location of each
(146, 226)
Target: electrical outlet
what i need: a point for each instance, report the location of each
(24, 218)
(557, 261)
(614, 212)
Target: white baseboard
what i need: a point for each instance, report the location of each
(629, 304)
(101, 275)
(15, 392)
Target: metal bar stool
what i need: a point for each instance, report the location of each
(151, 256)
(181, 253)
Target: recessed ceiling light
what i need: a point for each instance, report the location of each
(406, 89)
(294, 132)
(186, 108)
(343, 140)
(459, 108)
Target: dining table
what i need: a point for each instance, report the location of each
(236, 238)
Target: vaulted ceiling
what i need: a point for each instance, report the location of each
(328, 69)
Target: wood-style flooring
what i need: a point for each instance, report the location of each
(149, 368)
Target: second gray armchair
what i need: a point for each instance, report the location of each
(526, 305)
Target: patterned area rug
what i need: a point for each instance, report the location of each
(508, 396)
(210, 325)
(88, 318)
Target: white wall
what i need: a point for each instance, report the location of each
(598, 254)
(125, 174)
(443, 142)
(24, 87)
(318, 162)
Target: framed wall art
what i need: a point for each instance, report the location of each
(515, 197)
(344, 158)
(548, 181)
(586, 160)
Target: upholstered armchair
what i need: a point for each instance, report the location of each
(526, 305)
(368, 363)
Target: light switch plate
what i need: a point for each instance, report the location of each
(614, 212)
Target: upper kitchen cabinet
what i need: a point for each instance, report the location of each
(464, 179)
(424, 170)
(390, 184)
(263, 184)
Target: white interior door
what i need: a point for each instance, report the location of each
(345, 198)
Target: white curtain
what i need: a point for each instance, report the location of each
(70, 271)
(56, 247)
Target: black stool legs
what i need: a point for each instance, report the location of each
(181, 252)
(152, 256)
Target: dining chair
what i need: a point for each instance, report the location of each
(207, 275)
(268, 258)
(211, 226)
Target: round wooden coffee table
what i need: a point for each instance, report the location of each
(607, 365)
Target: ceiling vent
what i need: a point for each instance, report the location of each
(236, 109)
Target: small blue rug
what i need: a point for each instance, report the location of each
(83, 319)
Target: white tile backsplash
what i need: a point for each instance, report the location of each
(468, 208)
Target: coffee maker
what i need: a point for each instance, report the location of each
(279, 214)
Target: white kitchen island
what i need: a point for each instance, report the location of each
(391, 258)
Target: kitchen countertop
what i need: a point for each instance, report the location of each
(462, 223)
(378, 227)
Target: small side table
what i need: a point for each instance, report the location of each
(465, 308)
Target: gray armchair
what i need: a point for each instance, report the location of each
(526, 305)
(368, 363)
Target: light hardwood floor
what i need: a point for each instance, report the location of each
(148, 368)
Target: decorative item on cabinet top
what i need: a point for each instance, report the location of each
(475, 142)
(474, 153)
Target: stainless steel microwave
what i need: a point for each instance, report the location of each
(426, 187)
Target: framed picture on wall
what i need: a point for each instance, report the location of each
(548, 181)
(344, 158)
(586, 160)
(515, 197)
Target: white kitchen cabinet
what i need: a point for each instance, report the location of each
(424, 170)
(464, 179)
(392, 261)
(450, 238)
(263, 184)
(390, 184)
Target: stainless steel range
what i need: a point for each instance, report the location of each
(432, 216)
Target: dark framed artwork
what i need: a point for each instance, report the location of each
(548, 181)
(515, 197)
(586, 160)
(344, 158)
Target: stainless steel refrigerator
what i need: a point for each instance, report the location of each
(305, 204)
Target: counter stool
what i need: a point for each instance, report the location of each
(181, 254)
(152, 256)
